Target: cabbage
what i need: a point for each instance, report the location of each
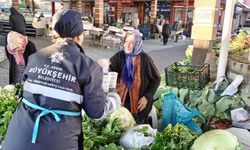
(105, 134)
(125, 117)
(216, 140)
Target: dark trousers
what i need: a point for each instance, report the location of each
(138, 118)
(177, 37)
(165, 38)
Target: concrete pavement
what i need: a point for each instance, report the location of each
(163, 55)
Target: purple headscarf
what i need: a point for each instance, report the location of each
(128, 69)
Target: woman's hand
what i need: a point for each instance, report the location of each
(142, 103)
(103, 62)
(100, 62)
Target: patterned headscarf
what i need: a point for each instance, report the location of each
(128, 69)
(16, 44)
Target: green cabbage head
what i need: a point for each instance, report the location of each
(125, 117)
(216, 140)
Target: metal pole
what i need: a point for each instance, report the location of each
(226, 34)
(33, 8)
(53, 8)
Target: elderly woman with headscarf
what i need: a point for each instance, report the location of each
(18, 49)
(138, 78)
(60, 81)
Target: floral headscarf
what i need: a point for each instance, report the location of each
(16, 44)
(128, 69)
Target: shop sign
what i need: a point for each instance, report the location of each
(184, 4)
(129, 10)
(203, 16)
(164, 9)
(124, 2)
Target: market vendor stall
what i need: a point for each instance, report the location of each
(118, 131)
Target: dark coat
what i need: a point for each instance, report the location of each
(17, 21)
(30, 49)
(58, 77)
(165, 29)
(150, 78)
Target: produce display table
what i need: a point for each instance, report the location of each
(30, 30)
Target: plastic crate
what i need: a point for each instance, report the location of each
(187, 76)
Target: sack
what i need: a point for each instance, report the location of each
(138, 136)
(175, 112)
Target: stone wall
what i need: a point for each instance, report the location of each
(233, 68)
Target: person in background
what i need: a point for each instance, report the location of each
(90, 18)
(165, 32)
(18, 49)
(60, 81)
(136, 22)
(138, 77)
(239, 28)
(41, 16)
(62, 6)
(177, 27)
(17, 21)
(28, 8)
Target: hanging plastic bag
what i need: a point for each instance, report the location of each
(175, 112)
(138, 136)
(233, 87)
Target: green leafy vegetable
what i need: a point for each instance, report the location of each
(183, 94)
(98, 134)
(223, 104)
(8, 104)
(172, 138)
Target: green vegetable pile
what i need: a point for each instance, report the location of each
(209, 102)
(187, 76)
(111, 146)
(106, 133)
(8, 104)
(188, 58)
(178, 137)
(237, 47)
